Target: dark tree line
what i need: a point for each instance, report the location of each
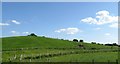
(114, 44)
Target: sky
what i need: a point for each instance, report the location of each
(60, 1)
(90, 21)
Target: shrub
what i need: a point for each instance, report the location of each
(75, 40)
(93, 42)
(99, 44)
(108, 44)
(62, 39)
(32, 34)
(114, 44)
(81, 41)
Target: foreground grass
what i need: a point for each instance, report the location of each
(81, 56)
(85, 57)
(10, 54)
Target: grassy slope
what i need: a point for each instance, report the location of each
(42, 42)
(29, 41)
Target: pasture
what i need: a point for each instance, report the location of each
(43, 49)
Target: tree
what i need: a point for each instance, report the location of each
(81, 41)
(93, 42)
(108, 44)
(75, 40)
(32, 34)
(99, 44)
(114, 44)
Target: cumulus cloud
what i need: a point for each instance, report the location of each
(68, 30)
(16, 22)
(89, 20)
(102, 17)
(4, 24)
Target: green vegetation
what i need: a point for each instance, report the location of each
(43, 49)
(31, 41)
(96, 57)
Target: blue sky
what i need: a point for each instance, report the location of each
(60, 1)
(88, 21)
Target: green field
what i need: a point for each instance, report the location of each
(43, 49)
(97, 57)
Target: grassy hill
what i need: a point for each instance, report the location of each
(31, 41)
(43, 42)
(40, 49)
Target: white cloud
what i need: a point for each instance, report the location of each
(25, 33)
(60, 30)
(19, 33)
(103, 13)
(69, 30)
(4, 24)
(89, 20)
(107, 34)
(16, 22)
(102, 17)
(14, 32)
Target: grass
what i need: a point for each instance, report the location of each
(29, 41)
(86, 57)
(43, 42)
(30, 46)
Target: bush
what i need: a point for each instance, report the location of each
(62, 39)
(81, 41)
(93, 42)
(32, 34)
(99, 44)
(75, 40)
(114, 44)
(108, 44)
